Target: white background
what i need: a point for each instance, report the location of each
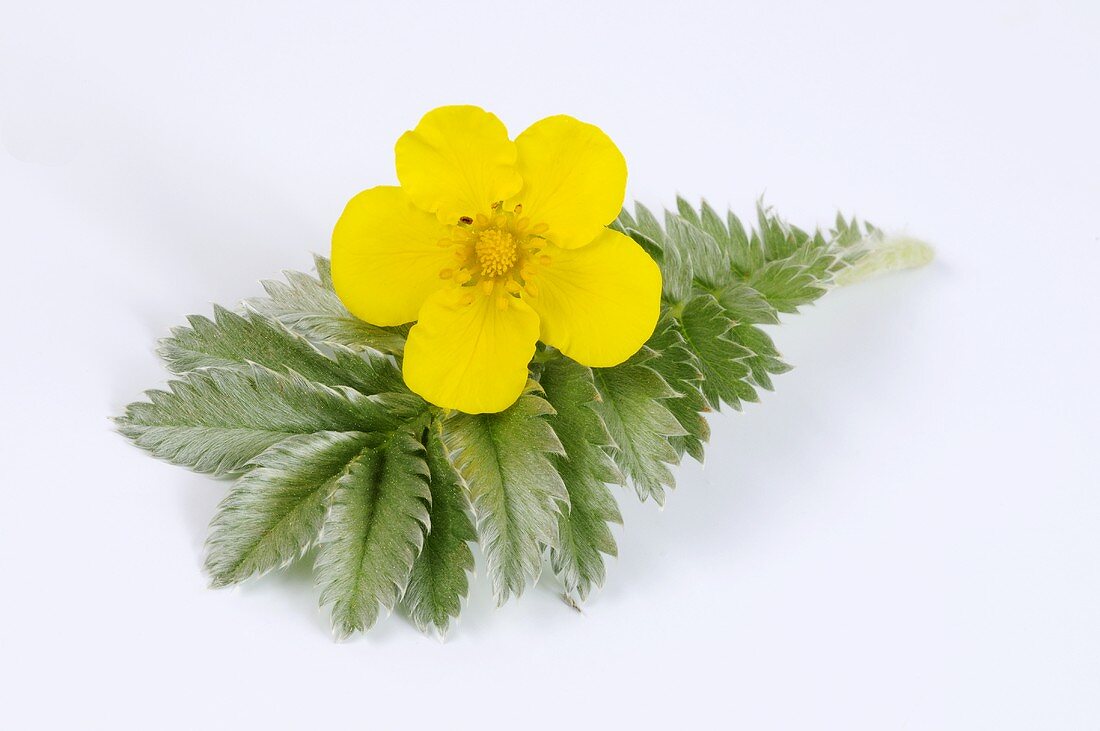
(906, 534)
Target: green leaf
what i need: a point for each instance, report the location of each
(755, 274)
(515, 490)
(677, 365)
(746, 252)
(373, 533)
(648, 225)
(584, 536)
(232, 340)
(311, 308)
(217, 420)
(706, 262)
(439, 580)
(764, 362)
(744, 304)
(632, 406)
(712, 224)
(687, 211)
(274, 512)
(787, 284)
(706, 329)
(779, 242)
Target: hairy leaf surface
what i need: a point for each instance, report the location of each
(373, 533)
(632, 406)
(217, 420)
(439, 580)
(515, 490)
(232, 340)
(706, 330)
(585, 468)
(274, 512)
(677, 365)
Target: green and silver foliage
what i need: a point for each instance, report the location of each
(304, 406)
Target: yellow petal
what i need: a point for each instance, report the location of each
(598, 304)
(574, 179)
(386, 256)
(471, 355)
(457, 162)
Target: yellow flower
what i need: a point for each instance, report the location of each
(492, 244)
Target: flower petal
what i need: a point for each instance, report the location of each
(471, 356)
(574, 179)
(457, 162)
(598, 304)
(386, 256)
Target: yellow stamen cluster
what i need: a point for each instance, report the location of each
(496, 250)
(501, 249)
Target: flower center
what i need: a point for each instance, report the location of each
(498, 255)
(496, 251)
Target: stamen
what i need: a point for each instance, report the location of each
(545, 260)
(532, 289)
(497, 246)
(496, 252)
